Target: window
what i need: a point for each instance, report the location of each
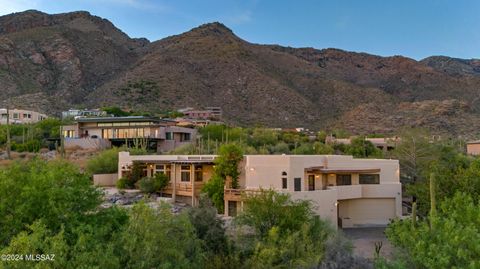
(164, 168)
(344, 180)
(168, 136)
(284, 173)
(369, 179)
(284, 183)
(185, 137)
(15, 115)
(297, 184)
(198, 173)
(311, 182)
(185, 173)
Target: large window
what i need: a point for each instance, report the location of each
(169, 136)
(123, 133)
(185, 173)
(369, 179)
(344, 180)
(198, 173)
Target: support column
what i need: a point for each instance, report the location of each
(173, 175)
(192, 181)
(225, 206)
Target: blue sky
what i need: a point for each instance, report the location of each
(413, 28)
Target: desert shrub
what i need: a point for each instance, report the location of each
(122, 183)
(147, 185)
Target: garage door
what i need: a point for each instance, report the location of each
(366, 212)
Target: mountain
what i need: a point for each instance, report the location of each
(53, 62)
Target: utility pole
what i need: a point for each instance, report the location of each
(9, 143)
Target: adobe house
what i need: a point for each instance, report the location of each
(348, 192)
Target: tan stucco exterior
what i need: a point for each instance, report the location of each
(473, 148)
(20, 116)
(355, 204)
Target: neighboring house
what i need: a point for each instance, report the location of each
(384, 144)
(198, 114)
(215, 110)
(20, 116)
(103, 132)
(473, 148)
(349, 192)
(183, 122)
(75, 113)
(211, 112)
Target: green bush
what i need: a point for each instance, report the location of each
(122, 183)
(104, 163)
(147, 185)
(154, 184)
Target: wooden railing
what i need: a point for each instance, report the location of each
(187, 187)
(237, 194)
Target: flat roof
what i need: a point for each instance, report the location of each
(347, 170)
(121, 119)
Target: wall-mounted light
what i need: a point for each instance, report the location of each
(336, 203)
(252, 169)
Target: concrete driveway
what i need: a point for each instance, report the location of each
(364, 240)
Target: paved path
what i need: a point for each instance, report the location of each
(364, 241)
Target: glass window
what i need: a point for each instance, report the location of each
(344, 180)
(369, 179)
(185, 173)
(15, 115)
(198, 173)
(297, 184)
(284, 183)
(164, 168)
(168, 136)
(311, 182)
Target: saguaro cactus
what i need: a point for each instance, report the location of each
(433, 202)
(414, 215)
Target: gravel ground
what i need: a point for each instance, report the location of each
(364, 240)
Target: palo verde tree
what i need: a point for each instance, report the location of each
(226, 166)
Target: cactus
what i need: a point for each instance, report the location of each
(414, 215)
(433, 202)
(378, 248)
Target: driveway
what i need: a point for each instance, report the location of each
(364, 240)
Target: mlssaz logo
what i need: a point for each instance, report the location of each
(40, 257)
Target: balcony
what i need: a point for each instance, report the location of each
(347, 191)
(238, 194)
(184, 189)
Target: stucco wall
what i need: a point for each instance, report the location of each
(324, 203)
(473, 149)
(105, 180)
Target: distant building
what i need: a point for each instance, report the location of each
(384, 144)
(184, 122)
(103, 132)
(207, 113)
(75, 113)
(198, 114)
(473, 148)
(215, 110)
(20, 116)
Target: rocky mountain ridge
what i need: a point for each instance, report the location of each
(54, 62)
